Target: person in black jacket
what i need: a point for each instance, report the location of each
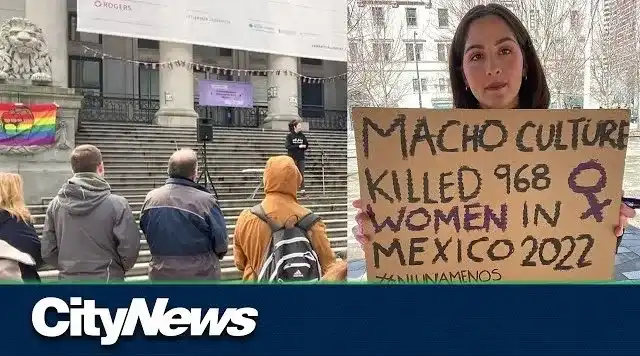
(297, 144)
(16, 226)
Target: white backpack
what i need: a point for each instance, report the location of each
(289, 256)
(10, 259)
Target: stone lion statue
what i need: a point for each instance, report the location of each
(23, 51)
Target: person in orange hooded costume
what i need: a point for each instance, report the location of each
(252, 235)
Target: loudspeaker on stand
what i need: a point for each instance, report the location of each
(205, 130)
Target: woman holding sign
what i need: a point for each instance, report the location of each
(492, 65)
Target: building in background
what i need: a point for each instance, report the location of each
(398, 50)
(621, 25)
(402, 48)
(126, 90)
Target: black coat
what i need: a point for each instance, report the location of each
(23, 237)
(294, 140)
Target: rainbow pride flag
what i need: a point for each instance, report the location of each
(27, 125)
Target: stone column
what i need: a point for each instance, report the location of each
(176, 87)
(53, 19)
(283, 90)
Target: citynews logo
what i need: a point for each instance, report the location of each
(83, 317)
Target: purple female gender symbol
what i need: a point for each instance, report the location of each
(595, 207)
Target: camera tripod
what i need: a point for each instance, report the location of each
(204, 173)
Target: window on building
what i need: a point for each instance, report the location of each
(414, 49)
(382, 51)
(559, 47)
(85, 74)
(424, 85)
(443, 51)
(443, 85)
(148, 83)
(378, 16)
(74, 35)
(311, 61)
(411, 14)
(410, 50)
(575, 19)
(443, 18)
(534, 19)
(354, 50)
(226, 52)
(148, 44)
(312, 97)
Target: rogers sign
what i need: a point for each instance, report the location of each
(112, 5)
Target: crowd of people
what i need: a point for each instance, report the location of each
(91, 234)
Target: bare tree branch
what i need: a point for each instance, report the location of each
(570, 37)
(559, 29)
(615, 73)
(377, 55)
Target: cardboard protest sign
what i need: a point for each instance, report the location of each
(460, 196)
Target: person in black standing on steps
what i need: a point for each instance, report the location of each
(297, 144)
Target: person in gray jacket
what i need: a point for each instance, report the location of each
(89, 233)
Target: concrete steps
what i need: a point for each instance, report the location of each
(136, 155)
(230, 178)
(227, 208)
(170, 138)
(138, 194)
(231, 203)
(230, 215)
(332, 222)
(87, 129)
(224, 191)
(152, 152)
(159, 141)
(134, 127)
(213, 148)
(221, 185)
(257, 159)
(219, 171)
(215, 167)
(155, 140)
(338, 244)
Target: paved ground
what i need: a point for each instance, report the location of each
(627, 259)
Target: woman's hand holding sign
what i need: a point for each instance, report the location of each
(625, 213)
(363, 231)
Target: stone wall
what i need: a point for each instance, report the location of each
(43, 169)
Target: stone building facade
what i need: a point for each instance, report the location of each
(120, 90)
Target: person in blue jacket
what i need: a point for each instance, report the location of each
(184, 225)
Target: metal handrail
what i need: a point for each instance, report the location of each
(322, 165)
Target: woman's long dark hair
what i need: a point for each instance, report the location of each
(534, 91)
